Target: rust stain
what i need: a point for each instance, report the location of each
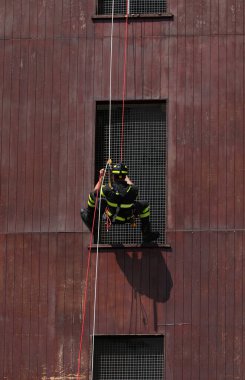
(65, 377)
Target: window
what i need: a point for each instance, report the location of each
(128, 358)
(104, 7)
(145, 152)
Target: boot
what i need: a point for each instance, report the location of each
(87, 217)
(147, 234)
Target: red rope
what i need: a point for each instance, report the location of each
(124, 78)
(108, 221)
(91, 235)
(86, 288)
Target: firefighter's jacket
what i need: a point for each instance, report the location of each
(120, 198)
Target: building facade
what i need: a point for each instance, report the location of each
(188, 291)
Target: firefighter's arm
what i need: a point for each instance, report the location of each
(98, 184)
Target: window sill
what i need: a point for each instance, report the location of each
(112, 247)
(162, 16)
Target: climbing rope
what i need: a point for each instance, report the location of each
(110, 84)
(86, 289)
(96, 276)
(98, 193)
(124, 77)
(97, 200)
(109, 160)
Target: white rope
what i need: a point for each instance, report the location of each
(128, 7)
(99, 213)
(110, 85)
(96, 275)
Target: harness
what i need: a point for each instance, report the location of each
(120, 205)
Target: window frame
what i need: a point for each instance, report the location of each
(139, 16)
(124, 337)
(132, 245)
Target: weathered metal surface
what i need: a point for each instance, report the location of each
(54, 66)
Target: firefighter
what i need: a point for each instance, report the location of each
(119, 202)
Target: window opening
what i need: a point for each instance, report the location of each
(145, 152)
(128, 358)
(104, 7)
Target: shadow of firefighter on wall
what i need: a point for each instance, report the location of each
(147, 273)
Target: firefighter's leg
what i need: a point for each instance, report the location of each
(87, 214)
(143, 210)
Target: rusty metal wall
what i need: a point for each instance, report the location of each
(54, 66)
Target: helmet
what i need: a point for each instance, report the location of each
(120, 169)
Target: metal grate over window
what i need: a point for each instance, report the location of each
(145, 145)
(128, 358)
(104, 7)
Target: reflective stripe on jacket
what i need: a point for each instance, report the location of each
(120, 200)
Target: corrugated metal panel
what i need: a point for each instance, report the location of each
(54, 66)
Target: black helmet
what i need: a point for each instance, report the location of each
(120, 169)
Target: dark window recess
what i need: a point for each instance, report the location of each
(104, 7)
(128, 358)
(145, 152)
